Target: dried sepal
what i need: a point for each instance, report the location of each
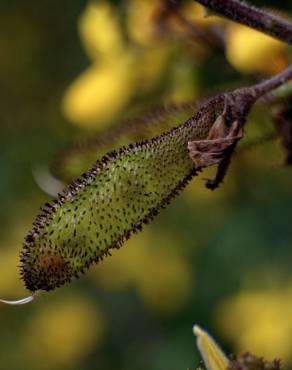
(211, 151)
(248, 361)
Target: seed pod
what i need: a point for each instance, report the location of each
(122, 191)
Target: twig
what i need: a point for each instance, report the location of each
(248, 15)
(278, 80)
(239, 102)
(237, 106)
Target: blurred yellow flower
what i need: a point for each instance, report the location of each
(140, 23)
(164, 280)
(62, 333)
(251, 51)
(100, 93)
(259, 322)
(150, 66)
(100, 30)
(153, 264)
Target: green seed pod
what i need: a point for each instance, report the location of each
(122, 191)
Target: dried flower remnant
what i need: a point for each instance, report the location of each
(247, 361)
(212, 150)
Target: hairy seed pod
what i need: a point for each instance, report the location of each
(122, 191)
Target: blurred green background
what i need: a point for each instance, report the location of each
(222, 259)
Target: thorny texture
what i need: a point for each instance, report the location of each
(248, 15)
(120, 193)
(248, 361)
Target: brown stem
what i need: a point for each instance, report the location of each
(272, 83)
(258, 19)
(239, 102)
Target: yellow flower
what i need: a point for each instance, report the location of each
(259, 322)
(212, 354)
(141, 22)
(153, 264)
(100, 30)
(62, 333)
(251, 51)
(119, 70)
(99, 93)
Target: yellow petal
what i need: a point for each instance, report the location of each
(100, 31)
(99, 94)
(141, 20)
(213, 356)
(267, 329)
(250, 51)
